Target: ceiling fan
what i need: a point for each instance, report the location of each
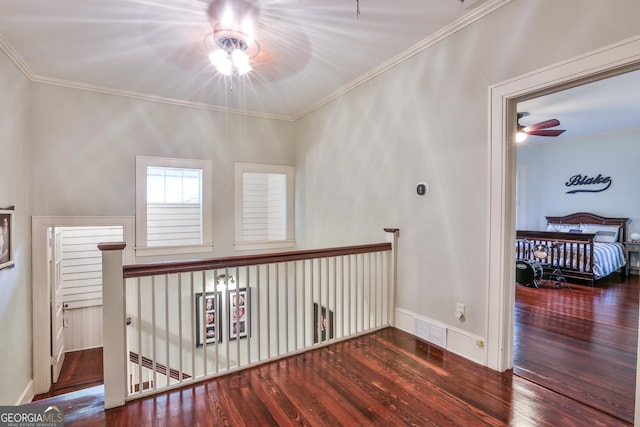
(538, 129)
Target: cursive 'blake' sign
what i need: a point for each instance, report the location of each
(601, 182)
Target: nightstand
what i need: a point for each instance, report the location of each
(629, 249)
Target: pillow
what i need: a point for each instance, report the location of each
(604, 233)
(606, 236)
(565, 228)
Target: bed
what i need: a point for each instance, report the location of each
(583, 246)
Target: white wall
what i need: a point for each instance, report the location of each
(96, 137)
(549, 166)
(15, 283)
(427, 119)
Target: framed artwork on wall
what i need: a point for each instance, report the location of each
(238, 306)
(322, 322)
(208, 318)
(6, 238)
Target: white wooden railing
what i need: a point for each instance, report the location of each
(167, 325)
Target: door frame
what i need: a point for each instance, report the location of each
(41, 284)
(611, 60)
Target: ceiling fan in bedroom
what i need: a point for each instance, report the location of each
(538, 129)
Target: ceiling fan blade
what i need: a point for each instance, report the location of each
(543, 125)
(546, 132)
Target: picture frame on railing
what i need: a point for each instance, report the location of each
(322, 323)
(208, 318)
(238, 305)
(6, 238)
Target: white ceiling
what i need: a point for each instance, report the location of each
(309, 49)
(310, 52)
(606, 105)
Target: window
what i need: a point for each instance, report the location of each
(264, 206)
(173, 206)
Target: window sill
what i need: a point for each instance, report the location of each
(260, 245)
(173, 250)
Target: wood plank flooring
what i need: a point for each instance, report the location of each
(581, 342)
(388, 378)
(81, 369)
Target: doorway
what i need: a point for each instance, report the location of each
(67, 282)
(615, 59)
(578, 340)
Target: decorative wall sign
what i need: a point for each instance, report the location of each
(596, 185)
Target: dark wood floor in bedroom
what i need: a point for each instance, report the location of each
(581, 342)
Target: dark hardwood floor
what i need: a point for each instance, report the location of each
(581, 342)
(388, 378)
(81, 369)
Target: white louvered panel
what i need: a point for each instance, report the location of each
(264, 206)
(174, 224)
(277, 206)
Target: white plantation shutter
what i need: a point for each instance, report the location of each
(264, 206)
(173, 206)
(174, 216)
(173, 224)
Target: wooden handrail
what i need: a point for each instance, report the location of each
(152, 269)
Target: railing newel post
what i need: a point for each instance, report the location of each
(392, 237)
(113, 325)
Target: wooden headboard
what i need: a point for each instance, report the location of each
(589, 218)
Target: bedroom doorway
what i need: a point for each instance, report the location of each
(612, 60)
(578, 341)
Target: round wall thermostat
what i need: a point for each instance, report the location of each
(422, 189)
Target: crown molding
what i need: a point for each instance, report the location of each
(440, 35)
(154, 98)
(15, 58)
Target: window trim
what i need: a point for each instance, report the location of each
(142, 162)
(244, 245)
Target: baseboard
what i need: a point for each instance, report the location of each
(449, 337)
(27, 395)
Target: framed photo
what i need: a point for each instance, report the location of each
(208, 318)
(238, 306)
(322, 323)
(6, 238)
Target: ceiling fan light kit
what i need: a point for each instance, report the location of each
(231, 46)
